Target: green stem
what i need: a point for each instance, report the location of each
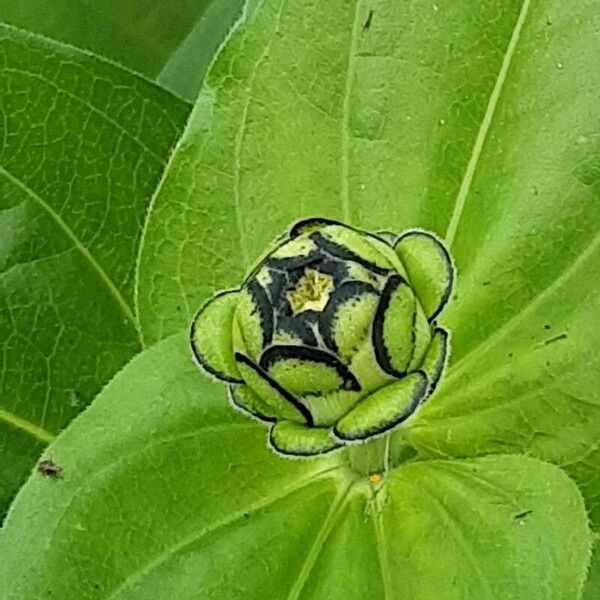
(380, 455)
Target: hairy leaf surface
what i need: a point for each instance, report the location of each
(191, 503)
(410, 116)
(83, 144)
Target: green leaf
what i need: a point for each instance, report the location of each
(82, 148)
(307, 113)
(227, 518)
(477, 122)
(525, 367)
(148, 36)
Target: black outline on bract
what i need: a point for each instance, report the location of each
(338, 251)
(296, 328)
(200, 360)
(277, 387)
(433, 383)
(411, 411)
(337, 446)
(389, 234)
(346, 291)
(315, 355)
(450, 268)
(242, 408)
(381, 353)
(264, 308)
(298, 228)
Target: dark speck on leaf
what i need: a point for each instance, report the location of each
(546, 326)
(369, 20)
(246, 516)
(49, 469)
(523, 514)
(486, 283)
(510, 355)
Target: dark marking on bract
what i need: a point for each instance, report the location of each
(275, 354)
(278, 388)
(234, 398)
(523, 514)
(50, 469)
(378, 430)
(437, 375)
(338, 251)
(449, 268)
(298, 327)
(381, 353)
(369, 20)
(292, 263)
(204, 364)
(310, 224)
(265, 310)
(346, 291)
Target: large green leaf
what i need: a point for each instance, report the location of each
(83, 144)
(477, 121)
(307, 113)
(145, 35)
(168, 493)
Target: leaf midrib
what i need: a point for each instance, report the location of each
(39, 433)
(484, 128)
(476, 352)
(327, 527)
(76, 242)
(346, 108)
(28, 427)
(265, 502)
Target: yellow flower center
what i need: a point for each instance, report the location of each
(311, 292)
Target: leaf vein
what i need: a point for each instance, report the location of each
(197, 535)
(41, 434)
(77, 243)
(92, 108)
(312, 555)
(486, 122)
(345, 146)
(476, 352)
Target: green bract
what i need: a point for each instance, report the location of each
(332, 337)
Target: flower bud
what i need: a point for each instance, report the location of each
(332, 336)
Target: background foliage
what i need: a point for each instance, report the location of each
(477, 122)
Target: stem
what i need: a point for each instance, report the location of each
(380, 455)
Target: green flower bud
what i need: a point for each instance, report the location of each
(332, 337)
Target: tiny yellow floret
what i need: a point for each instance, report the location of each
(311, 292)
(375, 478)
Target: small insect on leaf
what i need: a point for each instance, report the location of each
(49, 469)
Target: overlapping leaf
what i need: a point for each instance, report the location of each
(83, 146)
(179, 497)
(493, 160)
(173, 45)
(478, 122)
